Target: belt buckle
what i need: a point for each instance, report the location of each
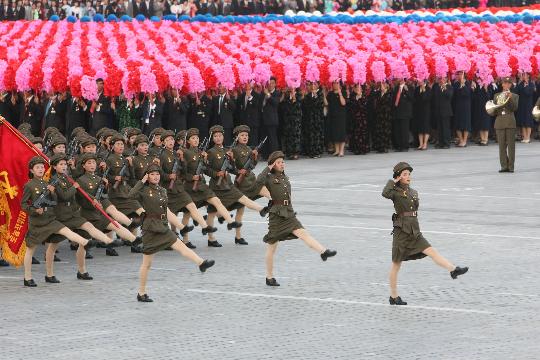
(163, 217)
(503, 113)
(286, 202)
(414, 213)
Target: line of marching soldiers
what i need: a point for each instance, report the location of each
(111, 170)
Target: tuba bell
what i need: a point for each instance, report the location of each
(501, 100)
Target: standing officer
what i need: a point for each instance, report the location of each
(270, 103)
(101, 110)
(249, 114)
(403, 112)
(442, 111)
(224, 107)
(505, 125)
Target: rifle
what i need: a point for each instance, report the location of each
(101, 187)
(175, 168)
(227, 164)
(250, 162)
(47, 145)
(123, 170)
(43, 198)
(200, 165)
(100, 142)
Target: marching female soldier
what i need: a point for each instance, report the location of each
(222, 186)
(92, 185)
(283, 224)
(156, 233)
(195, 184)
(245, 180)
(118, 191)
(67, 211)
(409, 243)
(173, 181)
(42, 219)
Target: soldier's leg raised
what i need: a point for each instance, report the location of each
(310, 241)
(244, 200)
(95, 233)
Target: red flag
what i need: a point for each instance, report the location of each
(15, 153)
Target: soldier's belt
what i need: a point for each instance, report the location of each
(68, 203)
(155, 216)
(284, 202)
(409, 214)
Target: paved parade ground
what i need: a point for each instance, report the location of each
(335, 310)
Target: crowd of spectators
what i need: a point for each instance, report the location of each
(11, 10)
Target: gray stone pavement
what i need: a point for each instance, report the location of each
(335, 310)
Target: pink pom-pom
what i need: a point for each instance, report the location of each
(358, 71)
(293, 75)
(262, 73)
(462, 63)
(524, 61)
(312, 71)
(148, 80)
(378, 71)
(337, 70)
(441, 66)
(195, 83)
(421, 70)
(89, 88)
(176, 79)
(22, 75)
(245, 75)
(502, 69)
(225, 76)
(3, 69)
(398, 68)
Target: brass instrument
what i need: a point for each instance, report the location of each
(501, 100)
(536, 113)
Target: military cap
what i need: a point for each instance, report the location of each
(88, 140)
(36, 140)
(51, 130)
(140, 139)
(101, 131)
(166, 134)
(55, 159)
(58, 140)
(398, 169)
(506, 79)
(36, 160)
(241, 128)
(181, 135)
(192, 132)
(77, 131)
(117, 137)
(133, 131)
(274, 156)
(25, 128)
(157, 131)
(85, 157)
(217, 128)
(152, 168)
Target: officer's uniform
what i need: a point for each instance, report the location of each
(408, 242)
(40, 226)
(157, 235)
(282, 218)
(505, 127)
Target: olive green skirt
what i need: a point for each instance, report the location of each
(202, 194)
(154, 242)
(251, 191)
(280, 228)
(38, 234)
(407, 247)
(127, 207)
(178, 201)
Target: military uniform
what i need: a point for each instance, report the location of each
(282, 218)
(90, 183)
(157, 235)
(140, 162)
(178, 198)
(249, 185)
(154, 150)
(408, 242)
(40, 226)
(226, 192)
(191, 158)
(120, 196)
(505, 127)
